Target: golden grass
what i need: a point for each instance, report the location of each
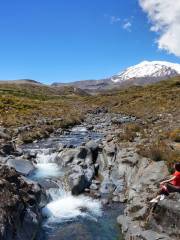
(28, 104)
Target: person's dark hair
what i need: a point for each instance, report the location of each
(177, 166)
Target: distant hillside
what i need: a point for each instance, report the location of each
(20, 81)
(92, 85)
(143, 73)
(31, 88)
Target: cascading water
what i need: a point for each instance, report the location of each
(69, 217)
(46, 165)
(63, 206)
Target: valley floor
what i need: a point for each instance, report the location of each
(141, 142)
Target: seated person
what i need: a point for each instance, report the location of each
(170, 185)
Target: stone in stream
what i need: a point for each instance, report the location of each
(75, 231)
(79, 179)
(30, 155)
(94, 186)
(80, 167)
(70, 156)
(25, 167)
(94, 147)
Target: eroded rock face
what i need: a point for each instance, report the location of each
(79, 164)
(167, 216)
(140, 219)
(20, 201)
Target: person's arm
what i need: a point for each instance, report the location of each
(169, 180)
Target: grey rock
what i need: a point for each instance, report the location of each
(7, 149)
(20, 216)
(107, 187)
(109, 138)
(133, 230)
(104, 201)
(77, 181)
(116, 199)
(96, 182)
(94, 187)
(167, 215)
(4, 135)
(97, 195)
(92, 145)
(24, 167)
(89, 174)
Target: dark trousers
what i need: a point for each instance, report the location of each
(169, 188)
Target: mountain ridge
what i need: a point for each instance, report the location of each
(145, 72)
(154, 69)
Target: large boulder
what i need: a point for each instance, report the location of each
(76, 180)
(142, 177)
(79, 179)
(132, 230)
(69, 157)
(79, 164)
(20, 210)
(25, 167)
(167, 215)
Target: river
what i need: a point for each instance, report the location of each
(68, 217)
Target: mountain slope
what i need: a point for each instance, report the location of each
(143, 73)
(88, 84)
(155, 70)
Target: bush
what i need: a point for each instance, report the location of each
(175, 135)
(159, 151)
(129, 132)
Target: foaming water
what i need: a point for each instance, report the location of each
(79, 129)
(46, 157)
(46, 165)
(66, 207)
(69, 217)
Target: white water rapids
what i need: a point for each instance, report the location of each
(64, 206)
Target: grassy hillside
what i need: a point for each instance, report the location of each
(143, 101)
(158, 108)
(39, 107)
(44, 108)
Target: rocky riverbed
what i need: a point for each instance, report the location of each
(96, 174)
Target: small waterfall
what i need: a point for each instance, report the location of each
(63, 206)
(46, 165)
(66, 216)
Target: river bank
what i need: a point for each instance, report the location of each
(100, 167)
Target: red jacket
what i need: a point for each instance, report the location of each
(176, 181)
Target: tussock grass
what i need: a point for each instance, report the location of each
(29, 104)
(160, 151)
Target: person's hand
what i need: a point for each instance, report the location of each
(162, 183)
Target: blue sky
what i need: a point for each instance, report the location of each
(68, 40)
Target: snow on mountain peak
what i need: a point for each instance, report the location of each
(154, 69)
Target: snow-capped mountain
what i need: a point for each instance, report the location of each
(141, 74)
(155, 70)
